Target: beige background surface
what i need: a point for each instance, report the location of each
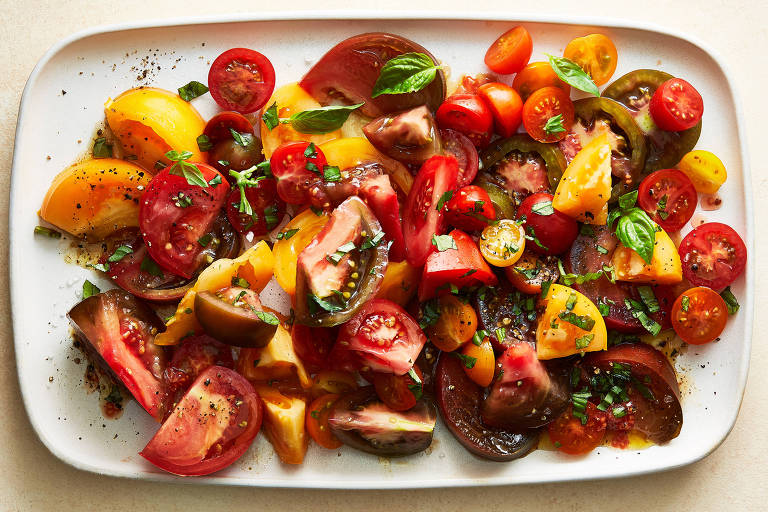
(734, 477)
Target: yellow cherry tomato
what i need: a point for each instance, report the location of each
(706, 171)
(503, 243)
(401, 280)
(664, 268)
(535, 76)
(455, 326)
(484, 364)
(149, 122)
(595, 54)
(287, 250)
(571, 323)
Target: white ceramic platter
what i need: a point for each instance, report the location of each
(56, 127)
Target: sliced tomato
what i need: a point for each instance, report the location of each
(381, 197)
(699, 315)
(212, 426)
(313, 344)
(713, 255)
(467, 114)
(544, 105)
(506, 106)
(241, 79)
(384, 336)
(317, 421)
(510, 52)
(218, 128)
(268, 208)
(463, 266)
(174, 215)
(669, 197)
(676, 105)
(554, 230)
(190, 358)
(296, 166)
(575, 437)
(470, 209)
(399, 392)
(437, 176)
(457, 144)
(594, 53)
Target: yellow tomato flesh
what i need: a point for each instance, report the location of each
(503, 243)
(484, 362)
(595, 54)
(284, 424)
(664, 268)
(287, 251)
(401, 280)
(706, 171)
(455, 326)
(277, 361)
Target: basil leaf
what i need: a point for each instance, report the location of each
(205, 239)
(586, 323)
(204, 143)
(628, 200)
(469, 361)
(554, 125)
(240, 282)
(192, 90)
(543, 208)
(371, 242)
(237, 138)
(89, 289)
(149, 266)
(447, 195)
(416, 388)
(216, 180)
(409, 72)
(638, 232)
(730, 301)
(270, 117)
(321, 120)
(649, 298)
(444, 242)
(584, 341)
(103, 267)
(101, 149)
(572, 74)
(176, 156)
(119, 253)
(285, 235)
(327, 306)
(331, 173)
(429, 313)
(267, 317)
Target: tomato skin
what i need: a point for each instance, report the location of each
(556, 232)
(455, 326)
(541, 106)
(505, 104)
(705, 170)
(470, 209)
(421, 219)
(535, 76)
(676, 106)
(218, 127)
(395, 390)
(703, 318)
(457, 144)
(241, 79)
(595, 54)
(502, 243)
(510, 52)
(467, 114)
(313, 344)
(713, 255)
(289, 165)
(317, 421)
(261, 197)
(482, 371)
(573, 438)
(680, 203)
(172, 232)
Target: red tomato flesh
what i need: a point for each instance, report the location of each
(506, 106)
(713, 255)
(545, 104)
(571, 436)
(669, 197)
(397, 391)
(296, 171)
(676, 105)
(218, 127)
(268, 208)
(378, 193)
(470, 209)
(457, 144)
(242, 80)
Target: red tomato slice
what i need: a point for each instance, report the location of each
(510, 52)
(242, 80)
(699, 315)
(195, 354)
(437, 176)
(543, 105)
(296, 171)
(212, 426)
(470, 209)
(463, 266)
(467, 114)
(268, 208)
(676, 105)
(571, 436)
(397, 391)
(313, 344)
(381, 197)
(173, 215)
(713, 255)
(218, 127)
(506, 106)
(386, 338)
(554, 230)
(457, 144)
(669, 197)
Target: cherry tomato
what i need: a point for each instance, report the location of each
(713, 255)
(705, 169)
(191, 441)
(699, 315)
(543, 105)
(174, 215)
(502, 244)
(296, 171)
(268, 208)
(595, 54)
(457, 144)
(531, 270)
(535, 76)
(571, 436)
(482, 361)
(195, 354)
(399, 392)
(467, 114)
(510, 52)
(676, 105)
(455, 326)
(218, 127)
(554, 230)
(317, 421)
(242, 80)
(313, 344)
(669, 197)
(421, 219)
(470, 209)
(506, 106)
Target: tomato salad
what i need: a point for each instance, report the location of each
(495, 252)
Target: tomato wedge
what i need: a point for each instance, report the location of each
(317, 421)
(552, 232)
(669, 197)
(195, 354)
(713, 255)
(399, 392)
(313, 344)
(378, 193)
(242, 80)
(296, 165)
(573, 437)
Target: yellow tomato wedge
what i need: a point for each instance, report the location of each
(664, 268)
(585, 187)
(570, 324)
(95, 198)
(287, 250)
(482, 360)
(254, 265)
(149, 122)
(284, 424)
(291, 99)
(401, 280)
(706, 171)
(276, 361)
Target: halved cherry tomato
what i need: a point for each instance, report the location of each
(455, 326)
(241, 79)
(296, 166)
(470, 209)
(317, 422)
(218, 127)
(506, 106)
(482, 361)
(457, 144)
(503, 243)
(268, 208)
(313, 344)
(422, 220)
(239, 152)
(543, 105)
(676, 105)
(713, 255)
(669, 197)
(705, 169)
(573, 437)
(384, 336)
(463, 266)
(535, 76)
(510, 52)
(467, 114)
(595, 54)
(399, 392)
(531, 270)
(174, 215)
(554, 230)
(699, 315)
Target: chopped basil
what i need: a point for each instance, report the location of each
(572, 74)
(204, 143)
(180, 167)
(371, 242)
(444, 242)
(324, 304)
(238, 138)
(501, 334)
(444, 199)
(638, 311)
(149, 266)
(50, 233)
(335, 258)
(315, 414)
(285, 235)
(317, 211)
(532, 236)
(478, 206)
(543, 208)
(192, 90)
(119, 253)
(661, 207)
(103, 267)
(554, 125)
(469, 361)
(586, 230)
(270, 117)
(331, 173)
(429, 313)
(571, 302)
(417, 388)
(648, 298)
(684, 303)
(468, 273)
(181, 200)
(584, 341)
(239, 281)
(205, 239)
(89, 289)
(602, 250)
(267, 317)
(619, 412)
(730, 300)
(406, 73)
(583, 322)
(101, 149)
(216, 180)
(603, 308)
(545, 288)
(568, 278)
(528, 273)
(270, 216)
(310, 151)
